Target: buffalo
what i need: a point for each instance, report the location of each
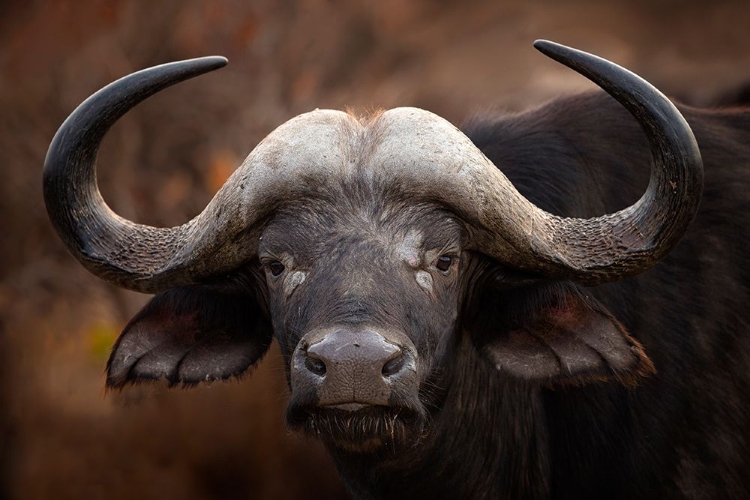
(539, 305)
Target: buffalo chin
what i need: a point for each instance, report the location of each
(371, 429)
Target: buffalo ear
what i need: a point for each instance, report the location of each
(189, 335)
(555, 334)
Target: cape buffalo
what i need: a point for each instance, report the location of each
(445, 335)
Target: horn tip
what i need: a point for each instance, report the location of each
(215, 62)
(547, 47)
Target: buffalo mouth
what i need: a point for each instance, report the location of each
(359, 428)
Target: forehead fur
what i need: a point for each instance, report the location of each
(365, 226)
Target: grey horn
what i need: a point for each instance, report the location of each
(134, 256)
(607, 248)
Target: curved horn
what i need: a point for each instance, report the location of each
(135, 256)
(613, 246)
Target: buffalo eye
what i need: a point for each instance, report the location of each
(275, 268)
(444, 263)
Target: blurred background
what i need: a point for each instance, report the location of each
(61, 435)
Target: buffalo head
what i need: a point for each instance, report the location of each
(373, 249)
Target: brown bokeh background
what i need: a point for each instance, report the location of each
(61, 435)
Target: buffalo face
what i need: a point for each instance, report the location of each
(364, 304)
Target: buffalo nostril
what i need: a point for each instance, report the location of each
(316, 366)
(393, 366)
